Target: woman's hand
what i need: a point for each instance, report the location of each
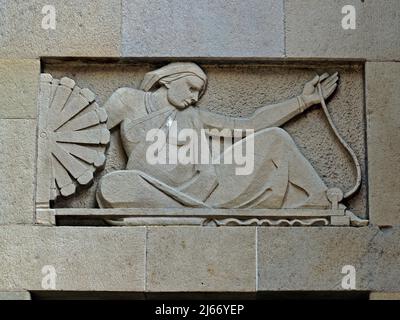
(310, 93)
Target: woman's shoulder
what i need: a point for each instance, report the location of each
(129, 96)
(124, 103)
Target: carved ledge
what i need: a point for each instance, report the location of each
(211, 217)
(45, 217)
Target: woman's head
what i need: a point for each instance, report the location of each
(184, 90)
(185, 83)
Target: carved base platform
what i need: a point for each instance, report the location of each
(203, 217)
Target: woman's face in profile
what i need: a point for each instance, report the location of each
(185, 91)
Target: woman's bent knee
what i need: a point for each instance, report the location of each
(278, 134)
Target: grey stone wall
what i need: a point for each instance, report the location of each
(107, 44)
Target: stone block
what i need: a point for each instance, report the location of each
(161, 28)
(198, 259)
(83, 28)
(19, 83)
(83, 258)
(310, 259)
(384, 296)
(383, 123)
(201, 259)
(17, 170)
(314, 29)
(15, 295)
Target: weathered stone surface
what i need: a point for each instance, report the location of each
(259, 85)
(312, 258)
(17, 170)
(384, 296)
(83, 28)
(383, 123)
(15, 295)
(85, 259)
(202, 28)
(201, 259)
(19, 81)
(314, 29)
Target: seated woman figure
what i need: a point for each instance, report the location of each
(281, 178)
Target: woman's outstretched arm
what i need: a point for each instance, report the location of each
(274, 115)
(264, 117)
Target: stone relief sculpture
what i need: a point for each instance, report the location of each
(282, 177)
(282, 187)
(72, 138)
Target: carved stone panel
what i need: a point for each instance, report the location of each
(304, 125)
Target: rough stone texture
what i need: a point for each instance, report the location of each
(238, 90)
(86, 259)
(314, 29)
(19, 88)
(203, 28)
(312, 258)
(383, 118)
(17, 170)
(384, 296)
(15, 295)
(84, 28)
(200, 259)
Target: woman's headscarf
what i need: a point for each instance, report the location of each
(175, 69)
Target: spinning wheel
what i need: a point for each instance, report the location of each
(73, 136)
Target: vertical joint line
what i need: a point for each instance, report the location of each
(256, 253)
(145, 260)
(284, 28)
